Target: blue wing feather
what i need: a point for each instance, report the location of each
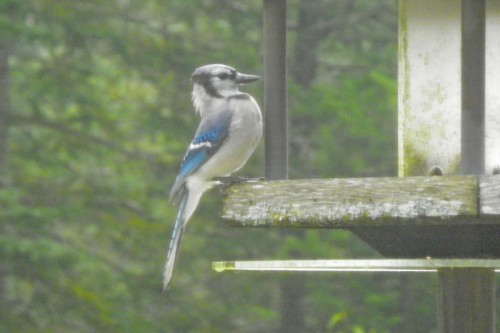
(211, 133)
(204, 145)
(193, 160)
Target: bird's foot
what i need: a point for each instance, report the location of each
(230, 180)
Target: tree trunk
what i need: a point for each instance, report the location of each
(292, 311)
(4, 110)
(306, 44)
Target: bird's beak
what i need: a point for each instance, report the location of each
(246, 78)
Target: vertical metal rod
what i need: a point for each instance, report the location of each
(473, 87)
(466, 300)
(275, 89)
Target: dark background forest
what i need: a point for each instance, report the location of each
(95, 116)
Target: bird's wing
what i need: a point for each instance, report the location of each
(212, 132)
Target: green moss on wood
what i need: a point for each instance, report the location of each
(352, 202)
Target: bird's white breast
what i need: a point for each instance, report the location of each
(244, 135)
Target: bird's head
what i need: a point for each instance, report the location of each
(219, 80)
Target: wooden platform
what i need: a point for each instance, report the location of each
(407, 217)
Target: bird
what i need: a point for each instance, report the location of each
(228, 133)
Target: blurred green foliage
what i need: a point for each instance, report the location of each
(97, 95)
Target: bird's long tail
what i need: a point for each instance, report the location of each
(189, 201)
(175, 241)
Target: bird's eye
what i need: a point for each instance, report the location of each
(223, 76)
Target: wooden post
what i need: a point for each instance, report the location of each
(466, 300)
(429, 86)
(442, 121)
(492, 98)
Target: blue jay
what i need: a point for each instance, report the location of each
(229, 130)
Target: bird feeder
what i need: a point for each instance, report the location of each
(443, 211)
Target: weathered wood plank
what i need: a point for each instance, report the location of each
(489, 195)
(352, 202)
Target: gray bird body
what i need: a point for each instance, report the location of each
(229, 131)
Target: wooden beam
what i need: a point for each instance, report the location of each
(345, 203)
(410, 217)
(489, 196)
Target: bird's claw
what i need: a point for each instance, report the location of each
(230, 180)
